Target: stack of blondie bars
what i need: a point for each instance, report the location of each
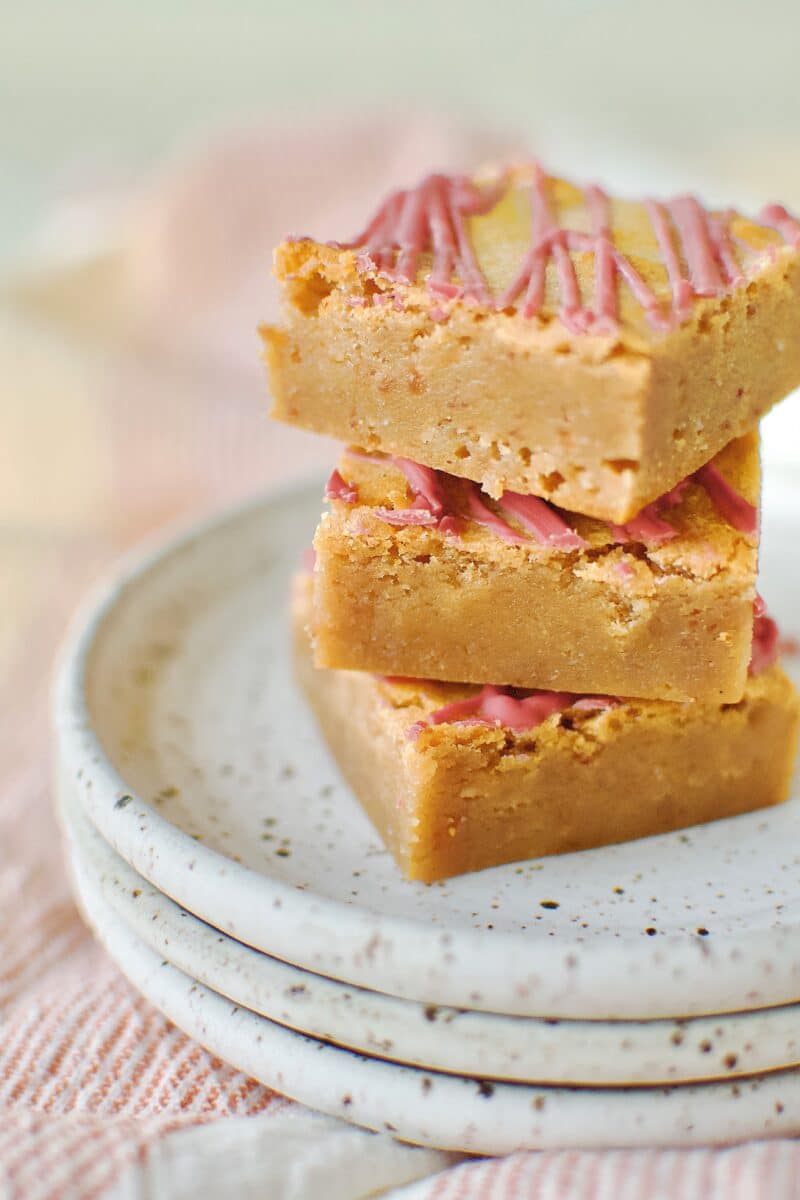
(532, 624)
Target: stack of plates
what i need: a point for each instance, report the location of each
(635, 994)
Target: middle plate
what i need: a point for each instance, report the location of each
(517, 1049)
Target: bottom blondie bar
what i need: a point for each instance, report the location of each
(457, 778)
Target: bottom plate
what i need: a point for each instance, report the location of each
(517, 1049)
(442, 1111)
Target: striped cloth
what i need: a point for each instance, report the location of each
(100, 1096)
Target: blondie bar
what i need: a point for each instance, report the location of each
(541, 338)
(419, 573)
(459, 778)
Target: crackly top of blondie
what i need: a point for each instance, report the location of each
(539, 248)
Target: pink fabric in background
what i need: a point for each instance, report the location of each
(159, 413)
(197, 244)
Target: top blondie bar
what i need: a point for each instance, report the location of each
(539, 337)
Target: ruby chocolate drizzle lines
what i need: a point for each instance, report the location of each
(776, 216)
(430, 218)
(508, 708)
(732, 507)
(445, 502)
(430, 501)
(547, 241)
(477, 510)
(542, 520)
(683, 230)
(650, 528)
(338, 489)
(766, 639)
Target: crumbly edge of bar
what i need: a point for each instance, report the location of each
(585, 730)
(317, 277)
(629, 567)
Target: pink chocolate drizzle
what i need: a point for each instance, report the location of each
(733, 508)
(430, 218)
(508, 708)
(547, 240)
(766, 639)
(430, 499)
(776, 216)
(692, 224)
(442, 501)
(766, 642)
(337, 489)
(478, 511)
(542, 520)
(647, 526)
(681, 288)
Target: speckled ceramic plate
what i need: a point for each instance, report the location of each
(520, 1049)
(199, 762)
(445, 1111)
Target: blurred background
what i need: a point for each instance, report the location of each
(152, 152)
